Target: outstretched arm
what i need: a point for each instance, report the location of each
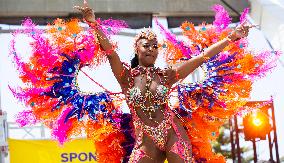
(189, 66)
(119, 71)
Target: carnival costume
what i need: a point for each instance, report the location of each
(52, 94)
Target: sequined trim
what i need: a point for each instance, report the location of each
(138, 154)
(183, 149)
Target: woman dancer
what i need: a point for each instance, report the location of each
(159, 133)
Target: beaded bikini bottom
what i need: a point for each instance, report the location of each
(159, 136)
(157, 133)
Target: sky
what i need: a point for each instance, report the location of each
(272, 85)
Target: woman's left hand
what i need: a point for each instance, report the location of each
(241, 31)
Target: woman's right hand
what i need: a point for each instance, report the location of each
(87, 12)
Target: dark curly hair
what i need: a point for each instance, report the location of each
(134, 61)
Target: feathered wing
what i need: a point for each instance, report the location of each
(51, 90)
(207, 104)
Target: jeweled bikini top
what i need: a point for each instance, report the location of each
(136, 97)
(134, 94)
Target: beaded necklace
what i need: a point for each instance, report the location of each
(148, 96)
